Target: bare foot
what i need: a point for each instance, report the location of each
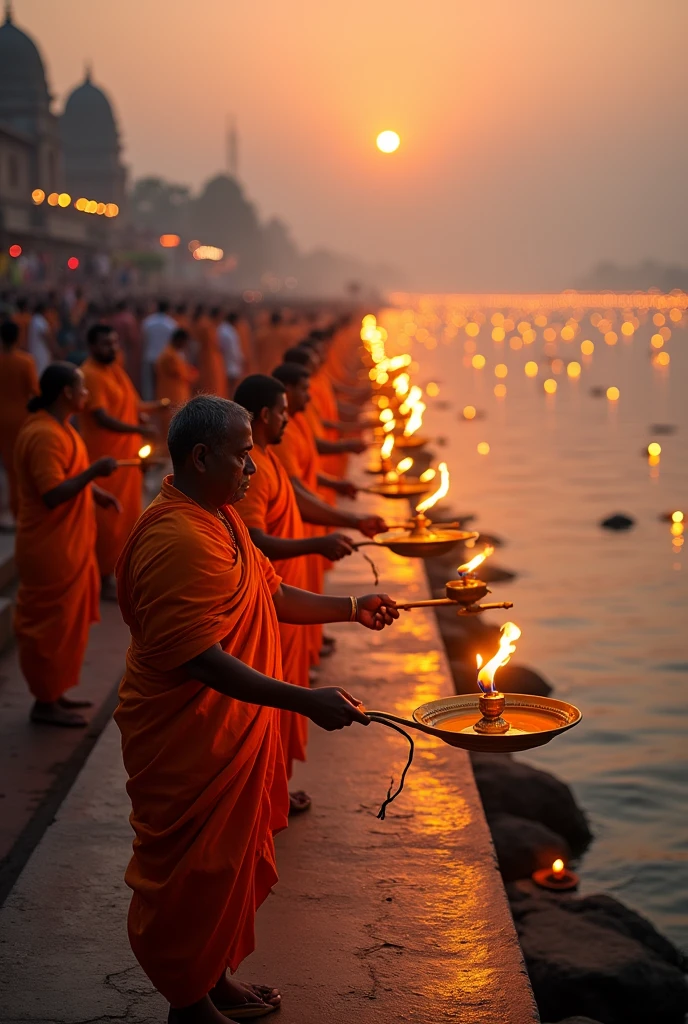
(232, 993)
(299, 802)
(43, 713)
(65, 702)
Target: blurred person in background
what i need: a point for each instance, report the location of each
(156, 331)
(18, 383)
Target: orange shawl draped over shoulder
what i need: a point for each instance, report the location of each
(18, 383)
(110, 389)
(56, 563)
(206, 774)
(270, 505)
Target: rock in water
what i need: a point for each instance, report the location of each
(580, 960)
(512, 787)
(619, 521)
(523, 846)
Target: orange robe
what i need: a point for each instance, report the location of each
(18, 383)
(55, 554)
(174, 377)
(212, 379)
(324, 402)
(206, 774)
(272, 342)
(299, 456)
(110, 389)
(243, 329)
(22, 320)
(270, 505)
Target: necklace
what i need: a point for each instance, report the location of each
(225, 521)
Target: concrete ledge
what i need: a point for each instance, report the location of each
(402, 920)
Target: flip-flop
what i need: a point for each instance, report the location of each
(301, 807)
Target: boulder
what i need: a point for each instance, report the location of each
(619, 521)
(523, 846)
(581, 961)
(507, 786)
(511, 678)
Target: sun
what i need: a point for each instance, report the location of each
(388, 142)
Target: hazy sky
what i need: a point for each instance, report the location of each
(538, 136)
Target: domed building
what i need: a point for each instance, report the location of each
(25, 104)
(91, 146)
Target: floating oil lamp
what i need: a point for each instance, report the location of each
(144, 455)
(557, 877)
(490, 721)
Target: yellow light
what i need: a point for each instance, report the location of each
(627, 328)
(91, 206)
(675, 315)
(432, 390)
(145, 451)
(38, 195)
(388, 142)
(574, 369)
(472, 329)
(497, 319)
(478, 361)
(501, 370)
(611, 338)
(469, 412)
(404, 465)
(64, 200)
(169, 241)
(654, 448)
(557, 866)
(550, 386)
(477, 560)
(549, 334)
(613, 394)
(369, 320)
(441, 491)
(483, 448)
(111, 209)
(387, 446)
(100, 209)
(428, 475)
(662, 359)
(81, 204)
(212, 252)
(53, 199)
(677, 517)
(659, 319)
(531, 369)
(567, 333)
(386, 415)
(677, 529)
(523, 326)
(653, 460)
(500, 390)
(498, 334)
(657, 341)
(540, 321)
(587, 347)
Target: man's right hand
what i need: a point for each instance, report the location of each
(335, 546)
(104, 467)
(333, 708)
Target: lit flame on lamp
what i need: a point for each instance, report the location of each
(402, 467)
(414, 396)
(475, 563)
(441, 491)
(401, 384)
(415, 420)
(486, 673)
(427, 476)
(387, 447)
(145, 451)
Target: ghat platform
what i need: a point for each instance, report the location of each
(397, 921)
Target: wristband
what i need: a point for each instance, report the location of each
(354, 609)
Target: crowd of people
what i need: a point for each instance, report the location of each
(220, 579)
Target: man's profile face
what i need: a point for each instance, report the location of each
(277, 419)
(230, 466)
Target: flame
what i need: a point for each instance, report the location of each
(415, 420)
(478, 560)
(557, 866)
(428, 475)
(389, 426)
(479, 661)
(441, 491)
(401, 384)
(145, 451)
(387, 446)
(510, 633)
(404, 465)
(386, 415)
(414, 396)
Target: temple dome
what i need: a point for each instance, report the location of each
(24, 92)
(88, 123)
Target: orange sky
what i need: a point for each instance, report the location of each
(538, 136)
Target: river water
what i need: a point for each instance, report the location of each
(603, 614)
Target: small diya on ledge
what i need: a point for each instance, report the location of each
(557, 878)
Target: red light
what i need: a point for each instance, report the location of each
(15, 250)
(72, 263)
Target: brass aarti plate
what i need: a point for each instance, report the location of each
(533, 721)
(398, 489)
(426, 544)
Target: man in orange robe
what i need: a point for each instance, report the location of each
(199, 720)
(299, 456)
(57, 598)
(112, 425)
(271, 341)
(22, 318)
(18, 383)
(212, 374)
(271, 513)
